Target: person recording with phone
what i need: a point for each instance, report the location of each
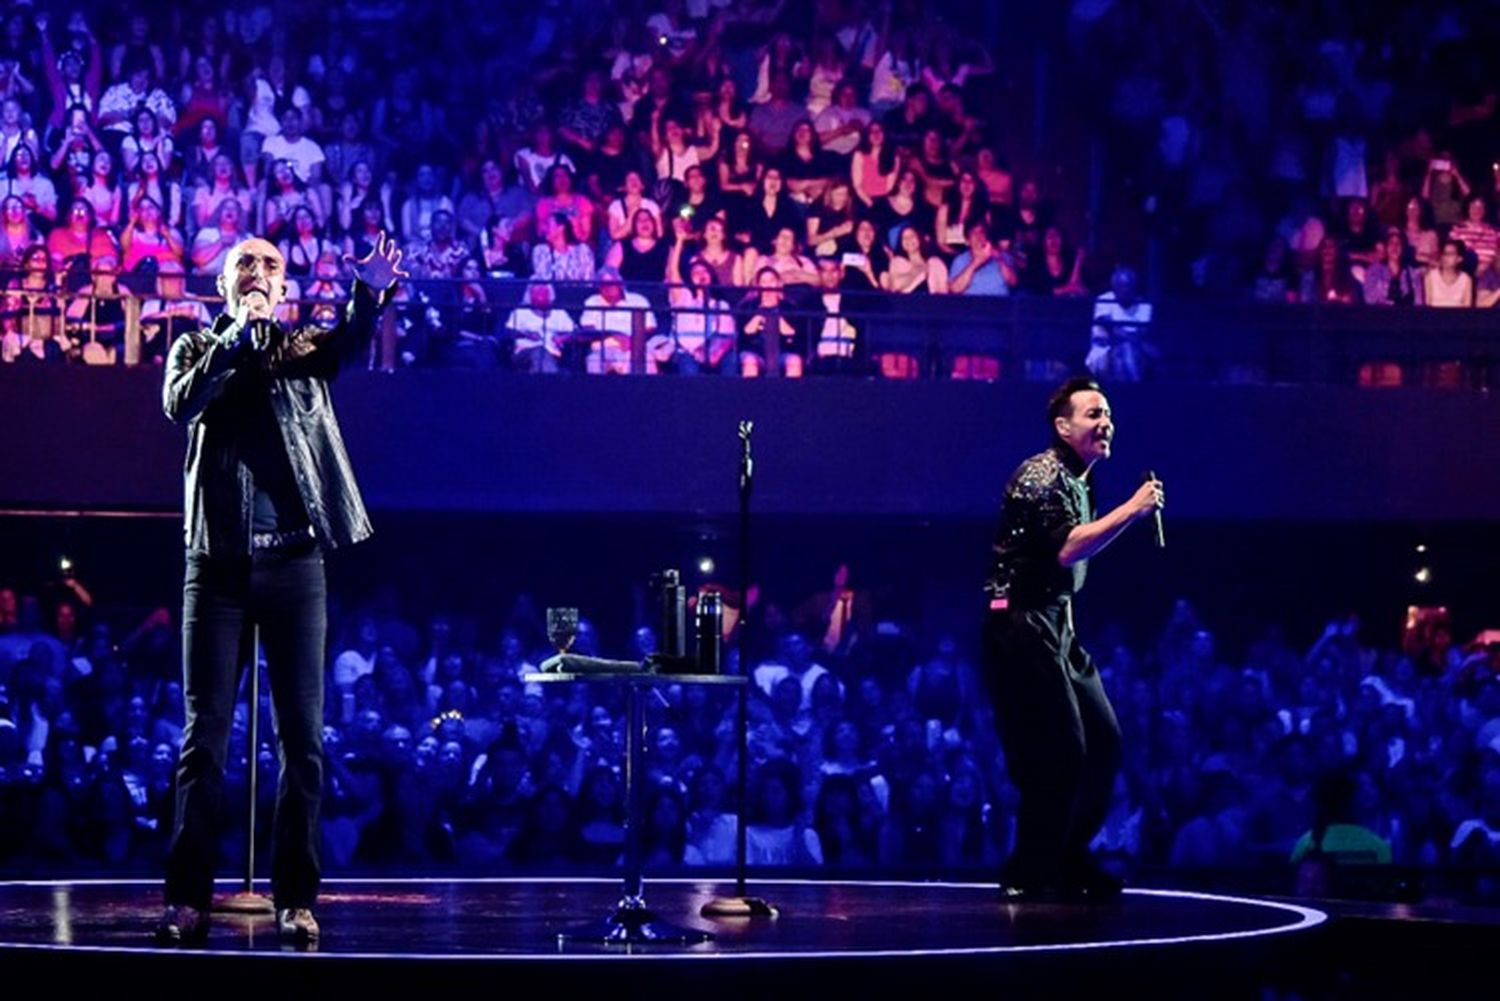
(1058, 730)
(269, 489)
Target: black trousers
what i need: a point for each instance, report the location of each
(1060, 736)
(285, 593)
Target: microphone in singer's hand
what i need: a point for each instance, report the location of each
(1161, 536)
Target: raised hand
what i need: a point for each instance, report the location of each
(381, 267)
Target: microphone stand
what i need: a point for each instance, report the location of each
(742, 905)
(247, 901)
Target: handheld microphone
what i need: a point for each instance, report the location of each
(1161, 536)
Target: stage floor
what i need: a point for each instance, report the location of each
(834, 933)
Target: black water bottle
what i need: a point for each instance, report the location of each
(710, 630)
(673, 598)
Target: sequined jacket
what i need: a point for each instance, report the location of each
(206, 367)
(1046, 497)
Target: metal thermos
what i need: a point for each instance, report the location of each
(710, 629)
(673, 598)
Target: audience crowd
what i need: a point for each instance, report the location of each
(870, 744)
(772, 161)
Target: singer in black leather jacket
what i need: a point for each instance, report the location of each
(269, 490)
(1061, 739)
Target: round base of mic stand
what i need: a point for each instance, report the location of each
(633, 923)
(245, 902)
(739, 907)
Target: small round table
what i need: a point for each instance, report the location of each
(632, 922)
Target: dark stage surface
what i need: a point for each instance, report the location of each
(830, 933)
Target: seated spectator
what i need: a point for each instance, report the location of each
(965, 203)
(1390, 280)
(619, 315)
(358, 188)
(713, 249)
(837, 347)
(296, 148)
(537, 329)
(698, 204)
(1119, 346)
(632, 199)
(98, 320)
(841, 125)
(273, 88)
(442, 257)
(493, 199)
(585, 121)
(148, 237)
(1479, 236)
(350, 147)
(224, 232)
(117, 106)
(146, 137)
(370, 221)
(1357, 234)
(771, 122)
(535, 162)
(769, 341)
(998, 181)
(33, 325)
(934, 168)
(1056, 270)
(903, 207)
(34, 189)
(1277, 280)
(739, 180)
(983, 268)
(780, 56)
(150, 180)
(673, 153)
(1330, 279)
(73, 150)
(831, 220)
(785, 258)
(774, 833)
(804, 168)
(913, 268)
(1420, 235)
(825, 71)
(82, 236)
(17, 234)
(304, 244)
(560, 199)
(560, 257)
(865, 258)
(203, 98)
(643, 257)
(906, 124)
(1487, 285)
(102, 192)
(198, 158)
(424, 198)
(874, 166)
(703, 330)
(222, 185)
(1448, 285)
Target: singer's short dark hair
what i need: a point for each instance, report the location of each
(1060, 404)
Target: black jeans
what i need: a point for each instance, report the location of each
(285, 593)
(1060, 735)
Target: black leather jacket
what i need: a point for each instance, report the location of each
(207, 374)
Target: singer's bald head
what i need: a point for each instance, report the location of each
(254, 275)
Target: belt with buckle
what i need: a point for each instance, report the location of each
(280, 540)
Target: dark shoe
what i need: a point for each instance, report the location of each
(1039, 893)
(182, 925)
(297, 924)
(1096, 884)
